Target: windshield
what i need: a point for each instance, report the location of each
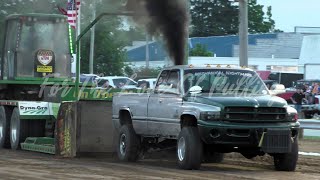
(123, 81)
(101, 82)
(143, 84)
(224, 81)
(50, 34)
(87, 79)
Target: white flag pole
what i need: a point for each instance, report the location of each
(79, 20)
(92, 38)
(78, 31)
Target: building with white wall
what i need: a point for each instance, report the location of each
(276, 64)
(287, 52)
(310, 51)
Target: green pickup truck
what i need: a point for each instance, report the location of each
(205, 112)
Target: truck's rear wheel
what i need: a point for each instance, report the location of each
(4, 127)
(189, 148)
(288, 161)
(128, 144)
(18, 130)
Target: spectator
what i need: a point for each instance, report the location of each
(309, 94)
(106, 84)
(315, 90)
(306, 87)
(297, 98)
(121, 85)
(143, 84)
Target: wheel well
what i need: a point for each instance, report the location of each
(125, 117)
(188, 120)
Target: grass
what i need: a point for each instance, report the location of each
(311, 138)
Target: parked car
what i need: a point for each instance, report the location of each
(89, 79)
(147, 83)
(205, 112)
(120, 82)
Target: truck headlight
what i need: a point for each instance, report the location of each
(292, 117)
(209, 115)
(292, 114)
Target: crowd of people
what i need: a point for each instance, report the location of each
(305, 94)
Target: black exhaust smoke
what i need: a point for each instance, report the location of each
(167, 19)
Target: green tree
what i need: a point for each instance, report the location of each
(200, 50)
(109, 56)
(221, 17)
(259, 21)
(128, 71)
(109, 53)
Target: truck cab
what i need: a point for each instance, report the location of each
(36, 46)
(36, 51)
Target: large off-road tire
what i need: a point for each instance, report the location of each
(18, 130)
(288, 161)
(189, 148)
(129, 144)
(5, 115)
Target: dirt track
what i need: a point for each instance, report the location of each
(29, 165)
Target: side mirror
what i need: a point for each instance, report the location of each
(277, 89)
(195, 90)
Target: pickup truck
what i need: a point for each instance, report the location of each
(204, 112)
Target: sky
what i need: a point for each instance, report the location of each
(290, 13)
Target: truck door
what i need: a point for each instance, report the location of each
(163, 105)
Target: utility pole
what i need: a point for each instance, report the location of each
(243, 32)
(147, 51)
(186, 58)
(75, 69)
(92, 38)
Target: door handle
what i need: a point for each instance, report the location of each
(160, 100)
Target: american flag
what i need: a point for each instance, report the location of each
(72, 12)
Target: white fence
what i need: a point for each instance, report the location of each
(310, 124)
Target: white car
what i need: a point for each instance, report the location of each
(121, 82)
(88, 77)
(149, 83)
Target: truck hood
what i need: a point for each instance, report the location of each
(227, 100)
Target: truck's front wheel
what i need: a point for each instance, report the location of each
(189, 148)
(128, 144)
(288, 161)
